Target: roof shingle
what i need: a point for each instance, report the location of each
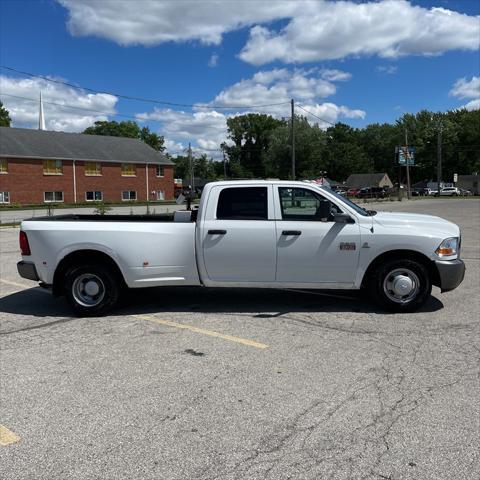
(29, 143)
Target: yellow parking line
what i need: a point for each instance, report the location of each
(7, 437)
(210, 333)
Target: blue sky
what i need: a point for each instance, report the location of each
(358, 62)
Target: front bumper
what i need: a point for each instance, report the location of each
(27, 270)
(450, 273)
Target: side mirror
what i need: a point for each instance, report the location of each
(342, 218)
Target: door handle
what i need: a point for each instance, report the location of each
(291, 232)
(217, 232)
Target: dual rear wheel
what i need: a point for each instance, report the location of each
(91, 290)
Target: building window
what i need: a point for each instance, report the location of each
(160, 171)
(52, 167)
(3, 165)
(128, 195)
(94, 196)
(129, 170)
(4, 197)
(49, 197)
(93, 169)
(160, 194)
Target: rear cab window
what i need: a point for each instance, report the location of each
(243, 203)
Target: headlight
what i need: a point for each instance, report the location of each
(448, 247)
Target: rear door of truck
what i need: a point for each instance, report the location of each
(237, 235)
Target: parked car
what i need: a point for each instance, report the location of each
(353, 192)
(449, 192)
(372, 192)
(464, 192)
(417, 192)
(251, 234)
(431, 192)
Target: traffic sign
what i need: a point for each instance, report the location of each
(405, 154)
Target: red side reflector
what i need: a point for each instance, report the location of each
(24, 246)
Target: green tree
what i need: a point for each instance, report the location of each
(127, 129)
(345, 153)
(203, 167)
(310, 142)
(5, 119)
(250, 135)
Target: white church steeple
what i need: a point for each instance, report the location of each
(41, 116)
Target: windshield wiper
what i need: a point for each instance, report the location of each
(371, 213)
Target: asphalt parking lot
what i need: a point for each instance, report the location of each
(235, 384)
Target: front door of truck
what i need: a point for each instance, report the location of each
(311, 247)
(237, 236)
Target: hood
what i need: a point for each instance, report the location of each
(424, 223)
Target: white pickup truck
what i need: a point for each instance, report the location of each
(255, 233)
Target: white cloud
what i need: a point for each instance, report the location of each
(207, 129)
(24, 112)
(278, 85)
(330, 113)
(157, 22)
(333, 75)
(467, 89)
(472, 105)
(464, 88)
(213, 61)
(389, 29)
(316, 30)
(387, 69)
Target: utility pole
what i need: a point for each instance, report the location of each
(293, 137)
(190, 164)
(439, 157)
(224, 166)
(407, 160)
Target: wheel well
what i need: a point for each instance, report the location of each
(402, 255)
(82, 257)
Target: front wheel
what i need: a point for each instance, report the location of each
(91, 290)
(401, 285)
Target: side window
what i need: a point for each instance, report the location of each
(303, 204)
(248, 203)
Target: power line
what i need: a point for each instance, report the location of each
(140, 99)
(313, 115)
(69, 106)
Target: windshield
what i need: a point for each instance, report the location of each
(346, 201)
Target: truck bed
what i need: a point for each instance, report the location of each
(163, 217)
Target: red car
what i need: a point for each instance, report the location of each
(353, 192)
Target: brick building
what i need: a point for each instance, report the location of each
(38, 166)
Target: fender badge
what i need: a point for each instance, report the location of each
(347, 246)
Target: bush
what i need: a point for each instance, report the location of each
(101, 208)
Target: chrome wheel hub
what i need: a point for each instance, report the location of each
(401, 285)
(88, 290)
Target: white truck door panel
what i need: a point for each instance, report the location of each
(324, 252)
(311, 249)
(237, 238)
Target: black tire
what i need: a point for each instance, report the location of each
(390, 276)
(80, 285)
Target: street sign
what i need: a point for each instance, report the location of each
(455, 177)
(410, 154)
